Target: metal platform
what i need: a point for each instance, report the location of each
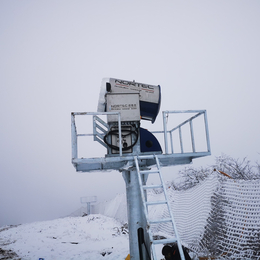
(167, 158)
(115, 163)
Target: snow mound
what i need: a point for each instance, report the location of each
(80, 238)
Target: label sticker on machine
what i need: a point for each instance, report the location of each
(117, 107)
(127, 104)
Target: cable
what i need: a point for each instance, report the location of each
(115, 132)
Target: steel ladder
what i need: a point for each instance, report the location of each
(146, 204)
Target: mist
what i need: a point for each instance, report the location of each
(54, 54)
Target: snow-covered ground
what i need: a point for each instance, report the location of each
(92, 237)
(202, 213)
(80, 238)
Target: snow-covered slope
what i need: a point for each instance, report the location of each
(115, 208)
(79, 238)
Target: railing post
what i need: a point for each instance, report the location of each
(207, 130)
(171, 142)
(180, 135)
(192, 137)
(74, 143)
(120, 134)
(94, 128)
(165, 113)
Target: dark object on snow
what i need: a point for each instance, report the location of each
(8, 254)
(106, 253)
(172, 252)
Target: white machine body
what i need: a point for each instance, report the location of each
(148, 97)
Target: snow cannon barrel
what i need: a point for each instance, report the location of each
(133, 99)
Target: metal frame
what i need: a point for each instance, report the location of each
(125, 163)
(121, 160)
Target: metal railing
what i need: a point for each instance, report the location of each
(103, 127)
(97, 136)
(179, 129)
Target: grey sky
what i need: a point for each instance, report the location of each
(54, 54)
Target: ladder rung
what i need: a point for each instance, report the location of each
(149, 172)
(152, 186)
(156, 202)
(143, 157)
(165, 241)
(160, 220)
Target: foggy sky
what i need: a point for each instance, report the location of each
(54, 54)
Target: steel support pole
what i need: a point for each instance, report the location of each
(88, 208)
(139, 250)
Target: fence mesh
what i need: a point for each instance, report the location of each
(216, 218)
